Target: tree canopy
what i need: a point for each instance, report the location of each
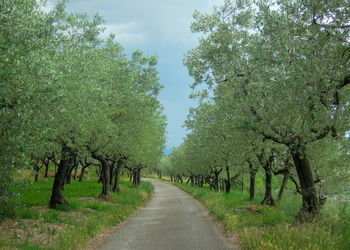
(67, 91)
(274, 79)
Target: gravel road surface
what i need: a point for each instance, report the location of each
(171, 220)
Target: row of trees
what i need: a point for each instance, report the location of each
(273, 94)
(69, 96)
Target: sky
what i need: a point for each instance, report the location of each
(157, 27)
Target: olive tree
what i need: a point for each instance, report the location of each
(282, 68)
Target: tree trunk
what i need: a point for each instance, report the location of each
(268, 199)
(131, 175)
(65, 163)
(75, 172)
(104, 175)
(70, 171)
(252, 174)
(111, 172)
(105, 179)
(283, 186)
(216, 181)
(134, 178)
(116, 187)
(311, 205)
(47, 164)
(81, 176)
(36, 177)
(228, 182)
(139, 177)
(68, 177)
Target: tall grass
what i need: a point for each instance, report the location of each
(69, 227)
(264, 227)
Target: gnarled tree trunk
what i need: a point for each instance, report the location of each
(311, 205)
(283, 186)
(138, 177)
(104, 175)
(63, 167)
(82, 173)
(112, 172)
(252, 174)
(47, 164)
(116, 187)
(268, 199)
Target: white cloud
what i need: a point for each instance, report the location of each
(147, 21)
(126, 33)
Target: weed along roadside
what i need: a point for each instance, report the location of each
(69, 227)
(274, 227)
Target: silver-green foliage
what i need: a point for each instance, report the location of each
(60, 83)
(279, 70)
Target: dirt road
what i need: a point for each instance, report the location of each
(172, 220)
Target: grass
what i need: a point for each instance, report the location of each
(264, 227)
(68, 227)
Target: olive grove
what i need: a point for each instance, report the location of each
(70, 97)
(273, 94)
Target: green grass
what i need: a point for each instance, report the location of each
(68, 227)
(264, 227)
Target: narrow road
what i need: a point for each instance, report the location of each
(172, 220)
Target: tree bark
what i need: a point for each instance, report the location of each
(70, 171)
(47, 164)
(36, 178)
(131, 175)
(65, 163)
(138, 177)
(116, 187)
(216, 180)
(252, 175)
(69, 176)
(82, 172)
(75, 172)
(228, 182)
(283, 186)
(268, 199)
(36, 168)
(311, 205)
(104, 175)
(111, 172)
(134, 178)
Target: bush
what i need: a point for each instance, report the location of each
(8, 198)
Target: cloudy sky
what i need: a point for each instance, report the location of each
(160, 27)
